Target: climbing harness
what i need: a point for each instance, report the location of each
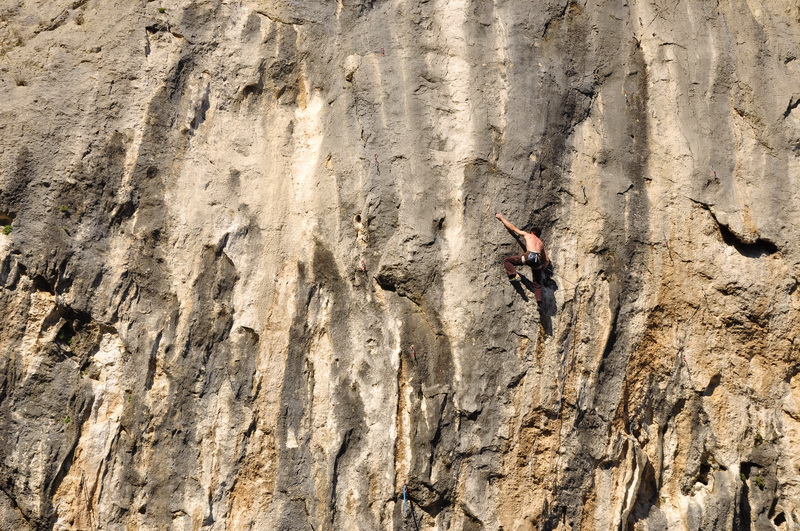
(533, 259)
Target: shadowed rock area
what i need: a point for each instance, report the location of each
(250, 271)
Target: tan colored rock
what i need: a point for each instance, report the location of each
(254, 277)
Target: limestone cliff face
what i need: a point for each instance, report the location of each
(253, 278)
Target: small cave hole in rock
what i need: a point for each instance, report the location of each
(751, 249)
(66, 334)
(756, 249)
(385, 283)
(5, 219)
(779, 519)
(253, 89)
(746, 468)
(705, 469)
(357, 219)
(41, 284)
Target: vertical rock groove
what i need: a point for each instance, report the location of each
(250, 271)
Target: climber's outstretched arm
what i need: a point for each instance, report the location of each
(509, 225)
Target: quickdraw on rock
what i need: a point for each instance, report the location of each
(413, 352)
(405, 502)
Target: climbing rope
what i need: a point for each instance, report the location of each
(669, 249)
(682, 346)
(568, 356)
(82, 486)
(408, 510)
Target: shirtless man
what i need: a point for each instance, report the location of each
(535, 256)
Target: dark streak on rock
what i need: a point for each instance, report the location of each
(712, 385)
(14, 504)
(793, 103)
(201, 110)
(611, 339)
(335, 474)
(81, 416)
(626, 190)
(290, 21)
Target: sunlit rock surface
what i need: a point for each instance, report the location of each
(253, 277)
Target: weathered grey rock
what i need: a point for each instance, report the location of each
(254, 280)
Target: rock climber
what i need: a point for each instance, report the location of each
(534, 256)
